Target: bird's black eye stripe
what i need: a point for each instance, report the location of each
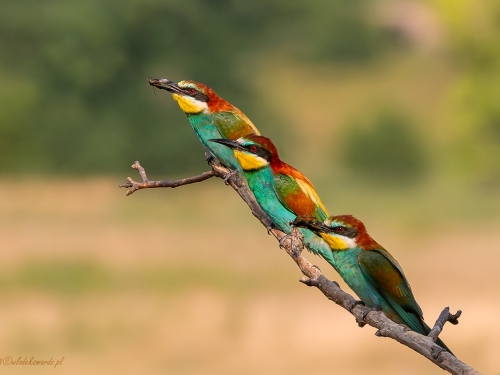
(193, 92)
(259, 151)
(201, 97)
(346, 231)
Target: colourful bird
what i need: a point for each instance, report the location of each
(369, 270)
(281, 190)
(210, 116)
(285, 193)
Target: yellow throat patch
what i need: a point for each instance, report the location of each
(248, 161)
(336, 243)
(189, 104)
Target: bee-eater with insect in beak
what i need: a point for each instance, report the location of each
(281, 190)
(369, 270)
(210, 116)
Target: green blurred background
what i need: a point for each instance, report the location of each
(391, 108)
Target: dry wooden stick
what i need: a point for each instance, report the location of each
(444, 317)
(425, 345)
(146, 184)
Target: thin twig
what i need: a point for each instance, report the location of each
(444, 317)
(133, 186)
(363, 315)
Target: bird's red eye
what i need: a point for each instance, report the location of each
(253, 148)
(340, 229)
(192, 91)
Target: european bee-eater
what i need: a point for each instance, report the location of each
(284, 193)
(281, 190)
(209, 115)
(369, 270)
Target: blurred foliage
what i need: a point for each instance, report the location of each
(389, 151)
(74, 73)
(75, 99)
(475, 106)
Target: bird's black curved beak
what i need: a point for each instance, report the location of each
(228, 143)
(165, 84)
(311, 224)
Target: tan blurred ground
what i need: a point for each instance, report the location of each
(174, 282)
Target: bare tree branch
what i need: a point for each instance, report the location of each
(425, 345)
(146, 184)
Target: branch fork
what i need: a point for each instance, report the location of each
(444, 317)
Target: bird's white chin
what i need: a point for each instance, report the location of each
(349, 242)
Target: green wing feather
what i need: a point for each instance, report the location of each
(386, 276)
(232, 125)
(298, 200)
(285, 186)
(383, 272)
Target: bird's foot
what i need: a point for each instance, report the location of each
(209, 157)
(354, 304)
(296, 233)
(362, 322)
(284, 238)
(270, 227)
(370, 309)
(436, 351)
(229, 175)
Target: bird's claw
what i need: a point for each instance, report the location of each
(369, 310)
(269, 228)
(296, 233)
(229, 175)
(283, 239)
(436, 351)
(354, 304)
(209, 157)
